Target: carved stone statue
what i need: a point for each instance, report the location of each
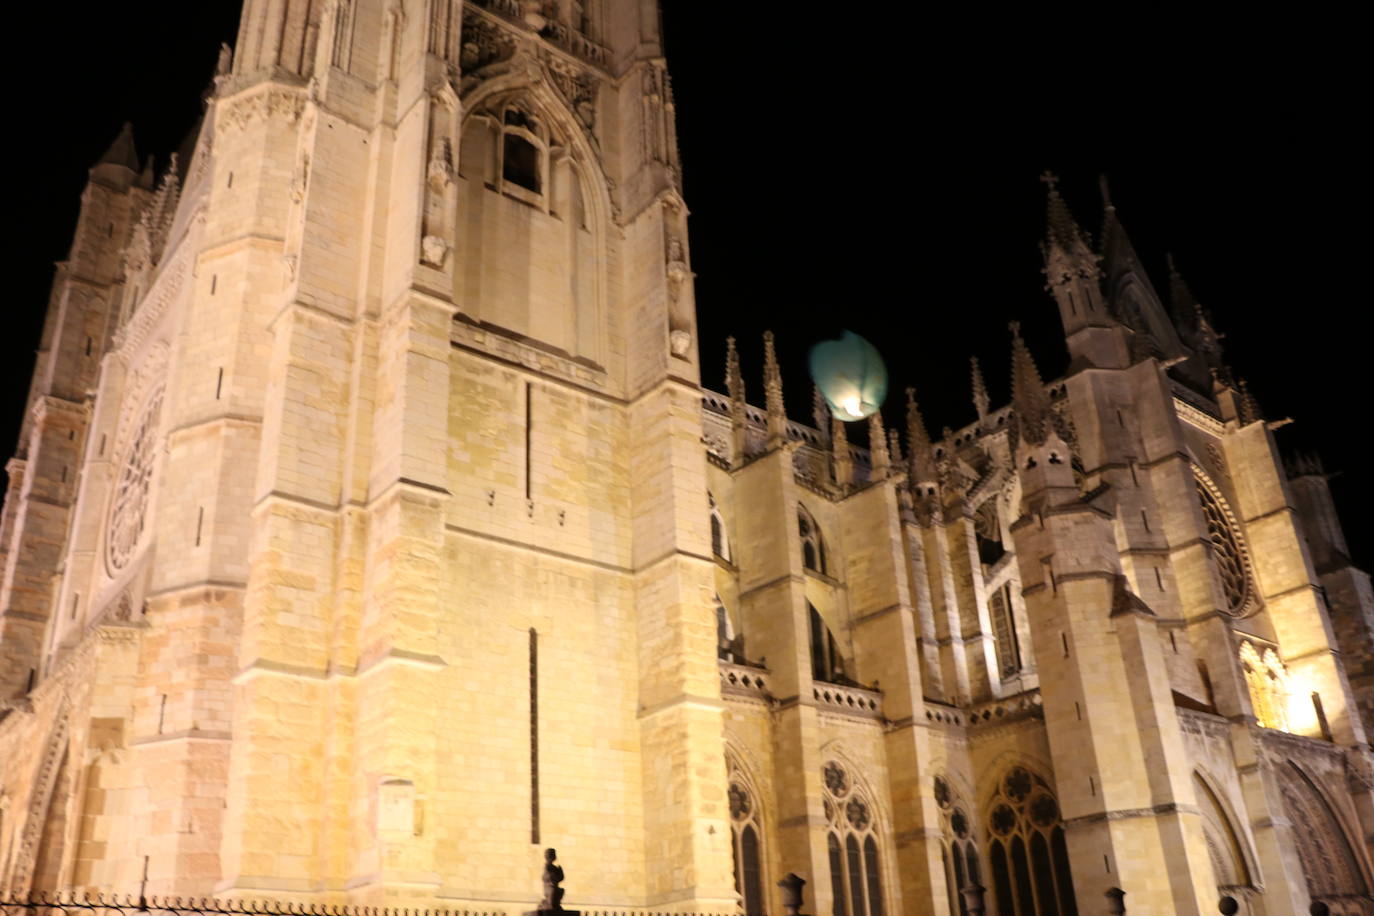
(553, 876)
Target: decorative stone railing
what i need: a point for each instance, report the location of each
(853, 701)
(575, 43)
(744, 681)
(1022, 705)
(557, 33)
(943, 713)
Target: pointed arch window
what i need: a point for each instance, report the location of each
(720, 545)
(1027, 855)
(746, 828)
(1267, 680)
(1008, 646)
(826, 662)
(729, 644)
(856, 879)
(509, 148)
(958, 848)
(813, 547)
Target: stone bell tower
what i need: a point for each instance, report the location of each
(414, 575)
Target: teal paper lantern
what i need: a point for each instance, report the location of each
(851, 376)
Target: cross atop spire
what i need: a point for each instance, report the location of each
(1061, 228)
(1029, 400)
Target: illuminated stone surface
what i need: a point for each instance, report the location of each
(426, 356)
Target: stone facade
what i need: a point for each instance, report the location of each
(371, 530)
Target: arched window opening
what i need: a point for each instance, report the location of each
(837, 894)
(521, 163)
(1030, 862)
(987, 530)
(1004, 636)
(747, 832)
(813, 548)
(1267, 680)
(958, 845)
(729, 644)
(1001, 879)
(720, 546)
(855, 863)
(826, 662)
(523, 152)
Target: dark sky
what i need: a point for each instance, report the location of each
(874, 167)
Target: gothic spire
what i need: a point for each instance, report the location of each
(980, 389)
(919, 452)
(841, 459)
(734, 384)
(877, 447)
(772, 389)
(734, 380)
(820, 413)
(1182, 305)
(1061, 230)
(894, 448)
(121, 151)
(1029, 400)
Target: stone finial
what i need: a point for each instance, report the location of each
(792, 886)
(1116, 901)
(981, 400)
(877, 447)
(820, 413)
(772, 391)
(918, 445)
(734, 384)
(1029, 399)
(841, 460)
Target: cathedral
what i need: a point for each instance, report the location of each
(371, 531)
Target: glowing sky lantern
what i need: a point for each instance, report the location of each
(851, 376)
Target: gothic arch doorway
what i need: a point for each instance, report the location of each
(1330, 865)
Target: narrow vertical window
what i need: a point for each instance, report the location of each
(855, 867)
(836, 875)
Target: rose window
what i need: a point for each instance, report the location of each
(129, 509)
(1227, 548)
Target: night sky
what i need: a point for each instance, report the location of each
(874, 167)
